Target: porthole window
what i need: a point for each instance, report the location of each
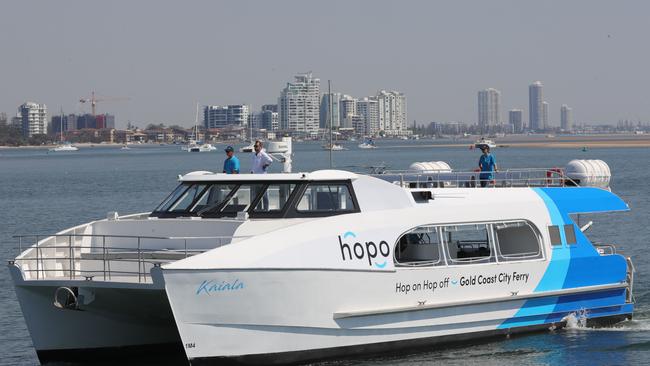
(419, 247)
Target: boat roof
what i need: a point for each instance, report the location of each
(322, 175)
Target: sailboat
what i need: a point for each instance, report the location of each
(251, 147)
(64, 146)
(193, 145)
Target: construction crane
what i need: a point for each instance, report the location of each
(93, 100)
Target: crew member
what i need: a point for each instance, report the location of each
(231, 164)
(488, 165)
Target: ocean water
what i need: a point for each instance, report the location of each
(43, 192)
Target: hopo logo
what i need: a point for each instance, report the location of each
(359, 251)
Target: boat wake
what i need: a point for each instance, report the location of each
(578, 322)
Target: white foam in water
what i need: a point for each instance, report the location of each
(578, 321)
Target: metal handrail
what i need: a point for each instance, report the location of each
(524, 177)
(74, 252)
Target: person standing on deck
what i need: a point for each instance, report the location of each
(487, 163)
(261, 160)
(231, 164)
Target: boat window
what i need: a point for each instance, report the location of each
(186, 199)
(419, 247)
(570, 234)
(554, 234)
(242, 198)
(213, 198)
(164, 206)
(275, 198)
(517, 241)
(319, 197)
(467, 244)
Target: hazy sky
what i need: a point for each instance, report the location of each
(164, 56)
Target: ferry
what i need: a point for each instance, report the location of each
(296, 267)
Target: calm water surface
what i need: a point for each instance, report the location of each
(44, 193)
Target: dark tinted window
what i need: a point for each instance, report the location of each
(275, 198)
(164, 206)
(467, 243)
(320, 197)
(419, 247)
(554, 234)
(187, 198)
(516, 241)
(213, 198)
(570, 234)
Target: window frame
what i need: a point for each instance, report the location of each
(442, 258)
(289, 210)
(491, 259)
(555, 244)
(495, 257)
(540, 243)
(293, 212)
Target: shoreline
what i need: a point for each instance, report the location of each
(569, 142)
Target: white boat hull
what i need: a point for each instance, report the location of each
(130, 321)
(288, 316)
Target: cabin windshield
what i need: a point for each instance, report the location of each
(259, 199)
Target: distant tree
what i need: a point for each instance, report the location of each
(153, 126)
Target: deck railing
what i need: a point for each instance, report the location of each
(122, 258)
(537, 177)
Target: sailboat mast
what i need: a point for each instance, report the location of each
(61, 124)
(196, 123)
(331, 112)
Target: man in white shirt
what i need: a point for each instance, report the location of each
(261, 160)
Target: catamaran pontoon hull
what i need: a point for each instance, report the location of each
(110, 321)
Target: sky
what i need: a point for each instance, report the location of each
(165, 56)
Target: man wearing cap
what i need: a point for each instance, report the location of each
(488, 165)
(231, 164)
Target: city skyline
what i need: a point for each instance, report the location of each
(601, 71)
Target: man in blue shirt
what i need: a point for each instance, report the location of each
(488, 165)
(231, 164)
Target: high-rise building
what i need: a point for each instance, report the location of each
(104, 121)
(215, 116)
(33, 118)
(299, 105)
(545, 124)
(489, 108)
(535, 106)
(61, 122)
(326, 110)
(368, 109)
(348, 109)
(270, 107)
(566, 118)
(392, 112)
(269, 120)
(3, 119)
(515, 118)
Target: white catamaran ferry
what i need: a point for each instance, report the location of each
(289, 267)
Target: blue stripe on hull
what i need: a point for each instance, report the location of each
(575, 265)
(554, 309)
